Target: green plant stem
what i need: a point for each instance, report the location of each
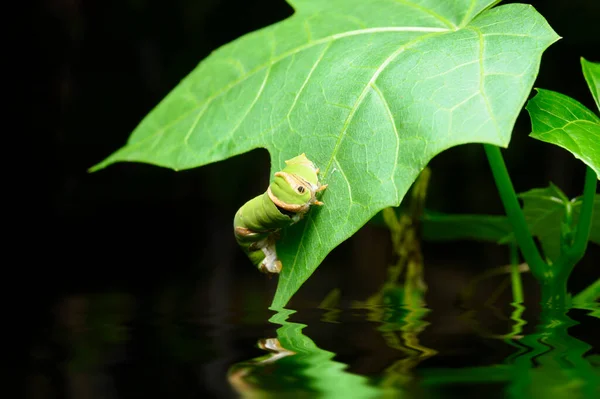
(554, 293)
(530, 252)
(575, 252)
(515, 275)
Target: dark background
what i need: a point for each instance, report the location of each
(155, 234)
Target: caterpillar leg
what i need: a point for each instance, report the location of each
(261, 252)
(319, 189)
(270, 264)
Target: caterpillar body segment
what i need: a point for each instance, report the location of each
(289, 197)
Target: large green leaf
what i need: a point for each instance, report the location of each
(545, 210)
(591, 72)
(370, 91)
(560, 120)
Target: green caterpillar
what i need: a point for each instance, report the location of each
(289, 197)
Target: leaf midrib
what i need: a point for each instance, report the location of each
(347, 122)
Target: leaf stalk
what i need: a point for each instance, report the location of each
(531, 254)
(515, 275)
(573, 253)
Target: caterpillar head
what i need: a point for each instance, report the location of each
(295, 187)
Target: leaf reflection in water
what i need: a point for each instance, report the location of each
(548, 363)
(297, 367)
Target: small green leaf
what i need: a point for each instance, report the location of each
(591, 71)
(562, 121)
(588, 295)
(444, 227)
(545, 210)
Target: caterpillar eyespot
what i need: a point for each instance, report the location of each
(289, 197)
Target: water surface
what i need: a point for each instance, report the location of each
(113, 345)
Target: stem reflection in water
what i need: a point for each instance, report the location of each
(548, 363)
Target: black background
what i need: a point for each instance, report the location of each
(100, 68)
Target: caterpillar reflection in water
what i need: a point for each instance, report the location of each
(289, 197)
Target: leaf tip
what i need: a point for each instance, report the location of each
(98, 166)
(103, 164)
